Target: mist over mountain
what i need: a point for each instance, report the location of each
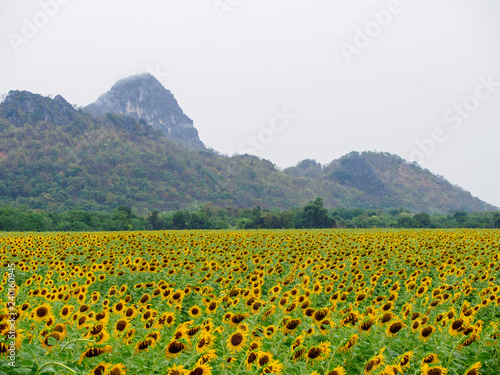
(135, 147)
(143, 97)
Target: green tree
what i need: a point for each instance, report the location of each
(496, 220)
(423, 220)
(314, 215)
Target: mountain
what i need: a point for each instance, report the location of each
(143, 97)
(54, 157)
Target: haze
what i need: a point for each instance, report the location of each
(425, 85)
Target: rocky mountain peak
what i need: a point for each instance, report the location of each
(142, 96)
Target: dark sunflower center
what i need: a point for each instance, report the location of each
(426, 332)
(435, 371)
(263, 360)
(314, 353)
(396, 327)
(175, 347)
(369, 366)
(96, 329)
(237, 318)
(41, 312)
(236, 339)
(120, 326)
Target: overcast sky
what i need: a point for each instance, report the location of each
(286, 80)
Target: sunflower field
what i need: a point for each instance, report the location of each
(322, 302)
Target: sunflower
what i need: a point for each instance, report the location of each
(236, 319)
(177, 370)
(130, 312)
(41, 313)
(274, 367)
(102, 316)
(375, 363)
(264, 358)
(207, 357)
(456, 327)
(366, 326)
(403, 361)
(430, 358)
(61, 329)
(205, 343)
(94, 352)
(251, 359)
(468, 341)
(237, 341)
(291, 325)
(426, 332)
(314, 354)
(349, 344)
(391, 370)
(51, 340)
(438, 370)
(194, 312)
(144, 345)
(270, 331)
(82, 321)
(211, 307)
(129, 336)
(100, 369)
(394, 328)
(474, 369)
(337, 371)
(117, 369)
(174, 348)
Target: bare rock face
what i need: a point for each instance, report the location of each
(143, 97)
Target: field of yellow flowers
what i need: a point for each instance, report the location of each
(322, 302)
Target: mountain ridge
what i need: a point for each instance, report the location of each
(55, 157)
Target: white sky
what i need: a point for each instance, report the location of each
(231, 74)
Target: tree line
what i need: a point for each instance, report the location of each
(211, 216)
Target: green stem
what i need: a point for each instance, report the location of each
(190, 359)
(156, 359)
(479, 351)
(335, 352)
(451, 354)
(241, 363)
(36, 360)
(72, 341)
(54, 363)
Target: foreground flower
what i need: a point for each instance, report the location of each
(337, 371)
(94, 352)
(201, 369)
(237, 341)
(100, 369)
(474, 369)
(375, 363)
(438, 370)
(177, 370)
(349, 344)
(118, 369)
